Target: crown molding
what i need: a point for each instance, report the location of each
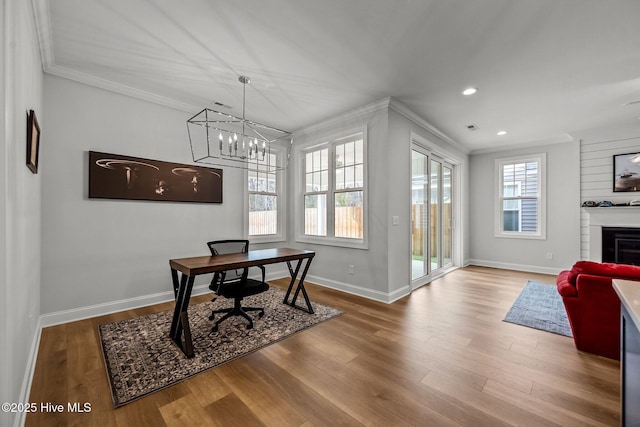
(42, 19)
(121, 89)
(565, 137)
(403, 110)
(347, 117)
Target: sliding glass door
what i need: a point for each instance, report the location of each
(431, 215)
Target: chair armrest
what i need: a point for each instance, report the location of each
(592, 286)
(565, 288)
(217, 281)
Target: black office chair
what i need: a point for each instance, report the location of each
(235, 283)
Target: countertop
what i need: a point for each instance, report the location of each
(629, 293)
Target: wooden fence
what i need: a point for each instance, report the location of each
(263, 223)
(348, 222)
(419, 218)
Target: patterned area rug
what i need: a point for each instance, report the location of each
(540, 306)
(141, 358)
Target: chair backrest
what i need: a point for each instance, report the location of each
(221, 247)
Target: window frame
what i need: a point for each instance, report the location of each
(540, 197)
(280, 193)
(300, 185)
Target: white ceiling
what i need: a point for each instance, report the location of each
(546, 69)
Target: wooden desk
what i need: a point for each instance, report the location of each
(191, 267)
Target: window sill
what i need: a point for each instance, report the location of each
(266, 239)
(334, 241)
(520, 236)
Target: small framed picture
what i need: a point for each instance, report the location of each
(626, 172)
(33, 141)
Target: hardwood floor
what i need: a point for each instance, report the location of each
(439, 357)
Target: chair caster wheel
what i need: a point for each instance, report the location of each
(261, 314)
(215, 328)
(213, 316)
(249, 326)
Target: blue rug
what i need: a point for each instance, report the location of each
(540, 306)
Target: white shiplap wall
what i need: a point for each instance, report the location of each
(596, 178)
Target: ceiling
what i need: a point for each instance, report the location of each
(545, 70)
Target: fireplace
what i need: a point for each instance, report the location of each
(600, 218)
(621, 245)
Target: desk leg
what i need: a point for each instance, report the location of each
(294, 275)
(176, 284)
(180, 324)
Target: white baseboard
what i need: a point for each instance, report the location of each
(25, 390)
(360, 291)
(518, 267)
(80, 313)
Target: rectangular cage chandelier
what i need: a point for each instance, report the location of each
(223, 139)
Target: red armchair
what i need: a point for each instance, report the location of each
(592, 305)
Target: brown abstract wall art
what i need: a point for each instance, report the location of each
(112, 176)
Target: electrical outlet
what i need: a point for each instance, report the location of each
(352, 269)
(548, 255)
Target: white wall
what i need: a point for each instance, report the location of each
(20, 253)
(111, 254)
(402, 126)
(563, 213)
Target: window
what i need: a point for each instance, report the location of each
(334, 192)
(521, 197)
(316, 189)
(265, 201)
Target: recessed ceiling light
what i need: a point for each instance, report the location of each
(469, 91)
(502, 132)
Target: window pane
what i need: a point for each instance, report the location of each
(316, 181)
(349, 177)
(315, 215)
(253, 183)
(359, 151)
(509, 173)
(511, 220)
(340, 179)
(529, 215)
(349, 218)
(262, 181)
(530, 186)
(324, 159)
(263, 215)
(309, 186)
(340, 155)
(309, 163)
(324, 180)
(359, 178)
(520, 215)
(510, 190)
(316, 161)
(349, 156)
